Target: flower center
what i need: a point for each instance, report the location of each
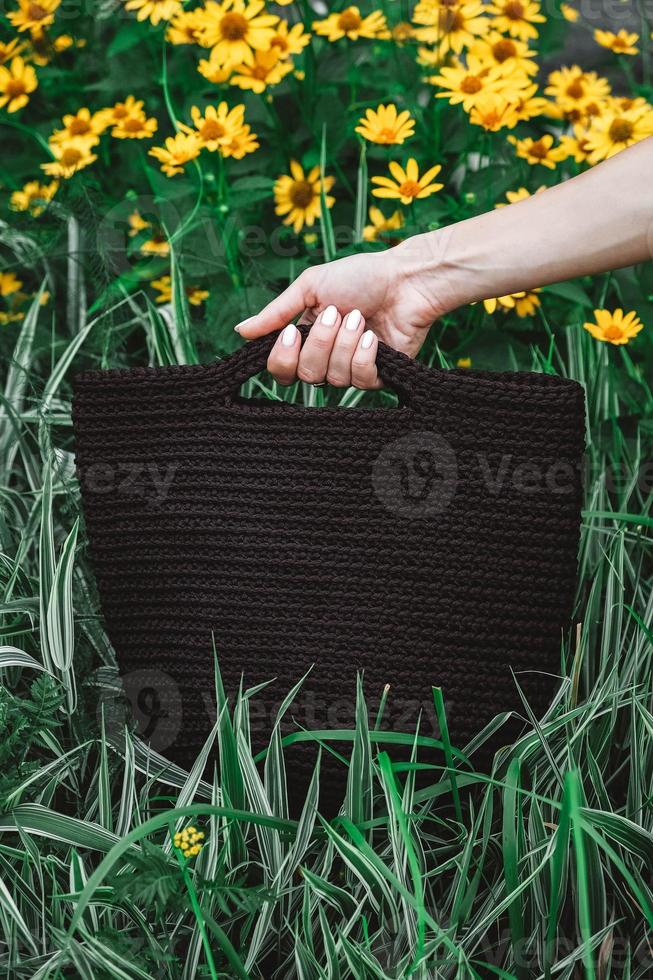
(349, 20)
(613, 332)
(120, 111)
(212, 130)
(514, 10)
(15, 87)
(621, 130)
(71, 156)
(302, 193)
(409, 188)
(386, 136)
(260, 71)
(471, 84)
(504, 49)
(36, 12)
(539, 150)
(450, 20)
(234, 27)
(402, 31)
(133, 124)
(576, 90)
(279, 42)
(79, 126)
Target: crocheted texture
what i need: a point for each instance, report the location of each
(430, 544)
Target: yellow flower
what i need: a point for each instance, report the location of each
(495, 49)
(178, 151)
(154, 10)
(350, 23)
(214, 71)
(242, 142)
(621, 43)
(616, 130)
(194, 294)
(569, 13)
(517, 17)
(539, 151)
(185, 27)
(289, 41)
(519, 195)
(493, 112)
(10, 317)
(116, 114)
(614, 328)
(63, 43)
(407, 185)
(575, 146)
(523, 303)
(9, 50)
(452, 26)
(188, 841)
(137, 223)
(526, 105)
(69, 157)
(297, 196)
(136, 127)
(9, 283)
(219, 124)
(16, 83)
(466, 84)
(576, 91)
(158, 244)
(266, 68)
(33, 196)
(464, 362)
(33, 14)
(235, 29)
(81, 124)
(377, 231)
(402, 32)
(385, 125)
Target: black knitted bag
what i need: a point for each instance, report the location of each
(433, 543)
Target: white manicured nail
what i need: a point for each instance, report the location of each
(289, 334)
(329, 316)
(367, 339)
(353, 320)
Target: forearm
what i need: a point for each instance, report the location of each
(600, 220)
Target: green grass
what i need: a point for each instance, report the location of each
(539, 868)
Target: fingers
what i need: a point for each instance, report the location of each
(284, 356)
(318, 347)
(337, 350)
(363, 364)
(285, 307)
(339, 369)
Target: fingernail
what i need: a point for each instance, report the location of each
(237, 328)
(329, 316)
(289, 334)
(353, 319)
(242, 323)
(367, 339)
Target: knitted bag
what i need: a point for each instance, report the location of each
(429, 544)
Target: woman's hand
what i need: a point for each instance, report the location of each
(351, 303)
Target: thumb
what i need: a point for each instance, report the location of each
(280, 311)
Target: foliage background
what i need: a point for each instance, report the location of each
(540, 868)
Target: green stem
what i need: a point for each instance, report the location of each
(197, 911)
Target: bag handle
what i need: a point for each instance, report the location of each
(396, 370)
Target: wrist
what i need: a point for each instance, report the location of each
(435, 264)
